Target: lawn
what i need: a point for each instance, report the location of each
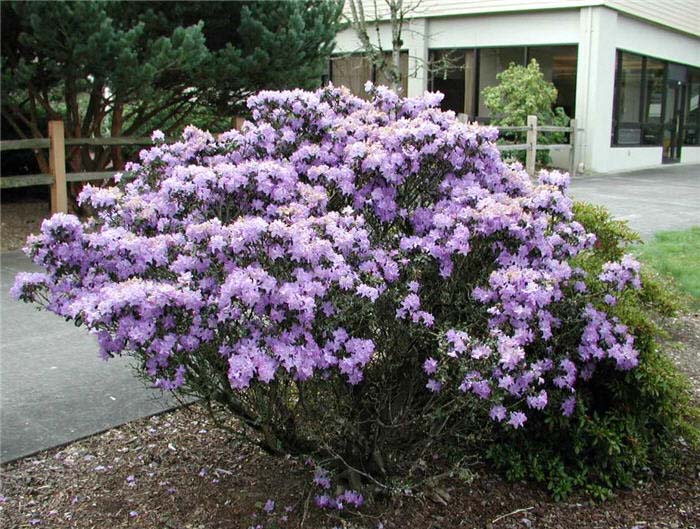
(676, 254)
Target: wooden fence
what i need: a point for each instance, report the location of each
(531, 146)
(58, 178)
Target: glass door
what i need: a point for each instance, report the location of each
(673, 121)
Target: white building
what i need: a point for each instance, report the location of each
(627, 70)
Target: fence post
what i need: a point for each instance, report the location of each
(57, 166)
(572, 150)
(531, 153)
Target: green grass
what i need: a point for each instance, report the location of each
(676, 254)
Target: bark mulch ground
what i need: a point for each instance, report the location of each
(19, 219)
(177, 471)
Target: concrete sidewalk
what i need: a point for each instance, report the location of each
(652, 200)
(54, 388)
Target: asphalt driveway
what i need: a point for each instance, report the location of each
(665, 198)
(54, 388)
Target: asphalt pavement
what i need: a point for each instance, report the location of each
(54, 388)
(652, 200)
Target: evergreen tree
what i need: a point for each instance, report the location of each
(125, 68)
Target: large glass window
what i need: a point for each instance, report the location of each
(462, 74)
(453, 73)
(691, 121)
(493, 61)
(656, 103)
(652, 111)
(629, 99)
(558, 65)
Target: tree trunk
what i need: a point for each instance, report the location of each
(117, 124)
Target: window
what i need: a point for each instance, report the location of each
(493, 61)
(453, 73)
(656, 103)
(353, 71)
(691, 121)
(628, 130)
(558, 65)
(652, 112)
(462, 74)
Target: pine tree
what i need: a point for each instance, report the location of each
(125, 68)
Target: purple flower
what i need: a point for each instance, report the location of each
(517, 419)
(434, 386)
(498, 413)
(269, 506)
(430, 366)
(568, 406)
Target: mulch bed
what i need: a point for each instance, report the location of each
(177, 471)
(19, 219)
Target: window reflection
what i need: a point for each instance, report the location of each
(462, 74)
(656, 103)
(558, 65)
(653, 102)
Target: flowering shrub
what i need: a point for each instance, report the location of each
(348, 277)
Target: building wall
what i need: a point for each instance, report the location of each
(680, 15)
(690, 154)
(597, 30)
(602, 32)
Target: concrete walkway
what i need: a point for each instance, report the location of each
(54, 388)
(665, 198)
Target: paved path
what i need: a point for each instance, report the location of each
(667, 198)
(54, 388)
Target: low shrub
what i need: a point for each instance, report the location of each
(364, 282)
(626, 425)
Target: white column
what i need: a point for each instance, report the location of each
(595, 86)
(415, 36)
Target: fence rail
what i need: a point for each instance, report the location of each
(58, 178)
(531, 146)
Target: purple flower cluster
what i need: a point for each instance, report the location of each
(348, 497)
(271, 247)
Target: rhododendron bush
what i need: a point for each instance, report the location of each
(350, 278)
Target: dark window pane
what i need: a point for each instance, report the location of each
(691, 118)
(558, 65)
(629, 93)
(493, 61)
(653, 102)
(452, 73)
